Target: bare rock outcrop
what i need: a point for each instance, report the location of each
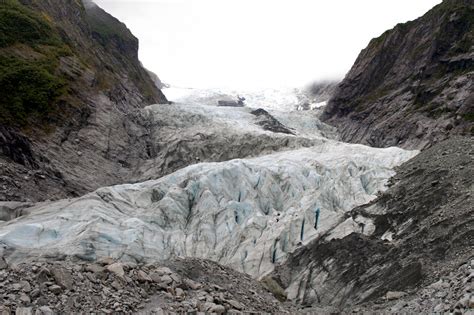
(412, 86)
(80, 139)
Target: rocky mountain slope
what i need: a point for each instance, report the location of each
(71, 116)
(412, 86)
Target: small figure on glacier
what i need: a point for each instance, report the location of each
(316, 218)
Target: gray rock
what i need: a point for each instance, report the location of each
(117, 285)
(176, 278)
(143, 276)
(16, 286)
(439, 308)
(56, 289)
(43, 275)
(192, 284)
(218, 309)
(236, 305)
(35, 293)
(163, 271)
(3, 264)
(117, 268)
(94, 268)
(25, 286)
(62, 277)
(179, 292)
(24, 311)
(25, 299)
(166, 279)
(464, 301)
(44, 310)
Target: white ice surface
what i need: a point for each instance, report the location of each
(247, 214)
(282, 104)
(268, 99)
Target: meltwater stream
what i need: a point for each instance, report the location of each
(244, 213)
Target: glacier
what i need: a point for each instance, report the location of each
(248, 214)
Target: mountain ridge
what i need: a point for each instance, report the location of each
(412, 86)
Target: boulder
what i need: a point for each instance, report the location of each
(63, 277)
(117, 269)
(143, 276)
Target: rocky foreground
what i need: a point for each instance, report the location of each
(107, 287)
(191, 286)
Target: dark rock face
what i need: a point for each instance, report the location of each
(270, 123)
(423, 231)
(16, 147)
(92, 131)
(413, 86)
(322, 91)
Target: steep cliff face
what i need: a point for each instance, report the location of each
(412, 86)
(71, 83)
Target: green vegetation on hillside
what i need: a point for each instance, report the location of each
(19, 25)
(28, 90)
(30, 48)
(106, 28)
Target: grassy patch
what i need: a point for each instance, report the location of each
(468, 117)
(32, 91)
(106, 28)
(19, 24)
(29, 84)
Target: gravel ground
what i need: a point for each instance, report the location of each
(106, 287)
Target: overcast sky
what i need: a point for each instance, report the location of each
(257, 43)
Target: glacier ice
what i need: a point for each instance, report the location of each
(248, 214)
(244, 213)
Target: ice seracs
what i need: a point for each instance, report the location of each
(247, 214)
